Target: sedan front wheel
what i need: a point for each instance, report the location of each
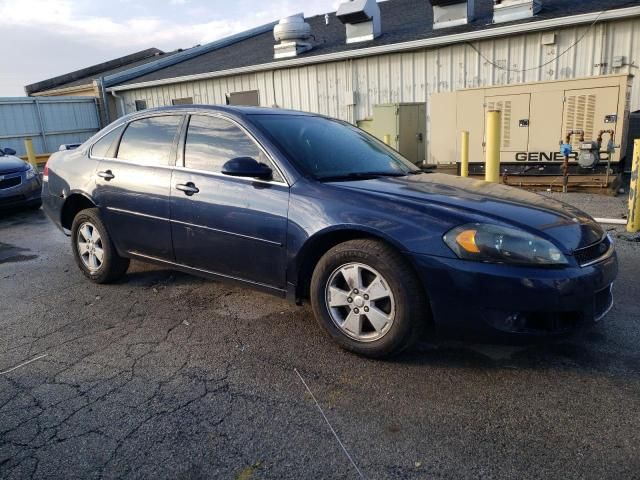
(367, 297)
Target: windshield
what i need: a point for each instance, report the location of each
(331, 150)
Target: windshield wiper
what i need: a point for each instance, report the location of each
(360, 176)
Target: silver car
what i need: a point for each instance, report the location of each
(20, 184)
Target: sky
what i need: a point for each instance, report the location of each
(40, 39)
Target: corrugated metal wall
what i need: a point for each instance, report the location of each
(49, 121)
(329, 88)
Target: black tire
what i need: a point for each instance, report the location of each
(113, 266)
(35, 205)
(412, 313)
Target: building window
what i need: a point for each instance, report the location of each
(182, 101)
(141, 105)
(249, 99)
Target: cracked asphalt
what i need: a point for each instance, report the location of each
(164, 375)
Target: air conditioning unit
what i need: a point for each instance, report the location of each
(362, 20)
(512, 10)
(450, 13)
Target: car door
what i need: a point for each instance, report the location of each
(133, 188)
(235, 227)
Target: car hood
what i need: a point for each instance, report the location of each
(11, 164)
(568, 226)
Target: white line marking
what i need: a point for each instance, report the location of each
(23, 364)
(330, 427)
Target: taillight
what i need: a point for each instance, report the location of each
(45, 172)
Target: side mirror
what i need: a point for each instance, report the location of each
(9, 151)
(247, 167)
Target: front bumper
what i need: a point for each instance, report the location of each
(484, 298)
(26, 192)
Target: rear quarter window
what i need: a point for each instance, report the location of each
(106, 147)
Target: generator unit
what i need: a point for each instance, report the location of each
(536, 118)
(403, 126)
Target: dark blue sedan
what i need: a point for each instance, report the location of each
(311, 208)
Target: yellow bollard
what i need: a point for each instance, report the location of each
(387, 139)
(464, 154)
(492, 167)
(31, 154)
(633, 224)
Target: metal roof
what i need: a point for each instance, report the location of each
(86, 75)
(402, 21)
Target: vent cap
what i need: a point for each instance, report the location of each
(362, 20)
(451, 13)
(513, 10)
(292, 33)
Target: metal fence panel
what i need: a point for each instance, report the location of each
(49, 121)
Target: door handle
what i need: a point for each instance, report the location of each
(188, 188)
(107, 175)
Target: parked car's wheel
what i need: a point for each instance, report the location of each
(93, 250)
(367, 297)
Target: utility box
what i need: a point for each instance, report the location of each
(535, 118)
(403, 125)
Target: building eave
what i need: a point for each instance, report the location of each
(64, 91)
(506, 30)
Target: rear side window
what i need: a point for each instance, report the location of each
(150, 141)
(213, 141)
(106, 146)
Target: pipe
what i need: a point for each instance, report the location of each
(565, 165)
(105, 103)
(634, 198)
(492, 171)
(119, 100)
(464, 154)
(611, 221)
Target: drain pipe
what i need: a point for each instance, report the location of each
(105, 104)
(120, 111)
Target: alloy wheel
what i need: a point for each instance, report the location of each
(360, 302)
(90, 248)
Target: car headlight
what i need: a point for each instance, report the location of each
(31, 173)
(498, 244)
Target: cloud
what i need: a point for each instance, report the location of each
(51, 37)
(63, 17)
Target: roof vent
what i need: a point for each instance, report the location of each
(512, 10)
(450, 13)
(292, 33)
(362, 18)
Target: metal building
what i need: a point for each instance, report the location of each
(396, 52)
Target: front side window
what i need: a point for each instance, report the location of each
(329, 149)
(213, 141)
(150, 141)
(106, 146)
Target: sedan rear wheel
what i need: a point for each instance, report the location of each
(93, 250)
(368, 298)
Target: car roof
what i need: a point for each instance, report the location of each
(238, 110)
